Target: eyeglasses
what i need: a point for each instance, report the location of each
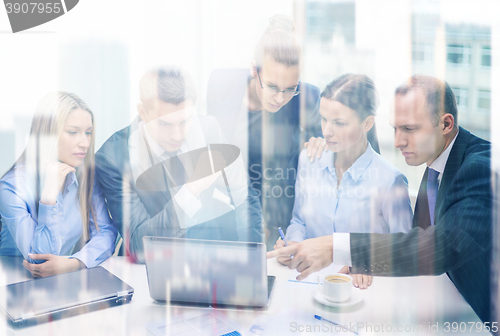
(275, 91)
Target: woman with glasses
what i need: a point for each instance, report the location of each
(268, 113)
(351, 188)
(50, 202)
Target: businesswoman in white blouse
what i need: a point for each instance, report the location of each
(351, 188)
(50, 204)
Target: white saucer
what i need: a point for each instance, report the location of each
(355, 298)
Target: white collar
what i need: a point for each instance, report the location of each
(440, 163)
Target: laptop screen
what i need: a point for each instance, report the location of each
(206, 271)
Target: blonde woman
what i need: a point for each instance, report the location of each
(50, 204)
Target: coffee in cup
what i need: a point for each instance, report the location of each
(337, 287)
(337, 279)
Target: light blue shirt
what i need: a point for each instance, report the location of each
(55, 229)
(372, 197)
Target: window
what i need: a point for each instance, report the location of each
(422, 52)
(462, 97)
(486, 56)
(326, 19)
(458, 54)
(483, 100)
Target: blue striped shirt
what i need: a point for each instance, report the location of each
(54, 229)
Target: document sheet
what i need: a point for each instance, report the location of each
(313, 278)
(211, 323)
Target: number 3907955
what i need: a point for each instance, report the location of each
(33, 7)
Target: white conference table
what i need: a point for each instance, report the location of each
(389, 301)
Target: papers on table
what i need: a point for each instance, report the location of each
(313, 278)
(292, 321)
(280, 324)
(212, 323)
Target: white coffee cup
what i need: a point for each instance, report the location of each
(337, 287)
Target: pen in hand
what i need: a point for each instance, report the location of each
(282, 236)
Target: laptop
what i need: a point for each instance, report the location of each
(209, 273)
(46, 299)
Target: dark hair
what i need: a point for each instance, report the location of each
(434, 90)
(278, 42)
(171, 84)
(358, 93)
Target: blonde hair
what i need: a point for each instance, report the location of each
(48, 122)
(279, 43)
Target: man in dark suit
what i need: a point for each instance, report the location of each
(162, 176)
(452, 230)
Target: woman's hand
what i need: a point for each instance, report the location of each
(54, 265)
(54, 179)
(279, 244)
(315, 147)
(360, 281)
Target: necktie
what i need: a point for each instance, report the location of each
(175, 169)
(432, 190)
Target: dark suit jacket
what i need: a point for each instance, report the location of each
(149, 210)
(284, 135)
(460, 242)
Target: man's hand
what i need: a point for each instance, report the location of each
(280, 244)
(360, 281)
(54, 265)
(202, 177)
(315, 147)
(309, 256)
